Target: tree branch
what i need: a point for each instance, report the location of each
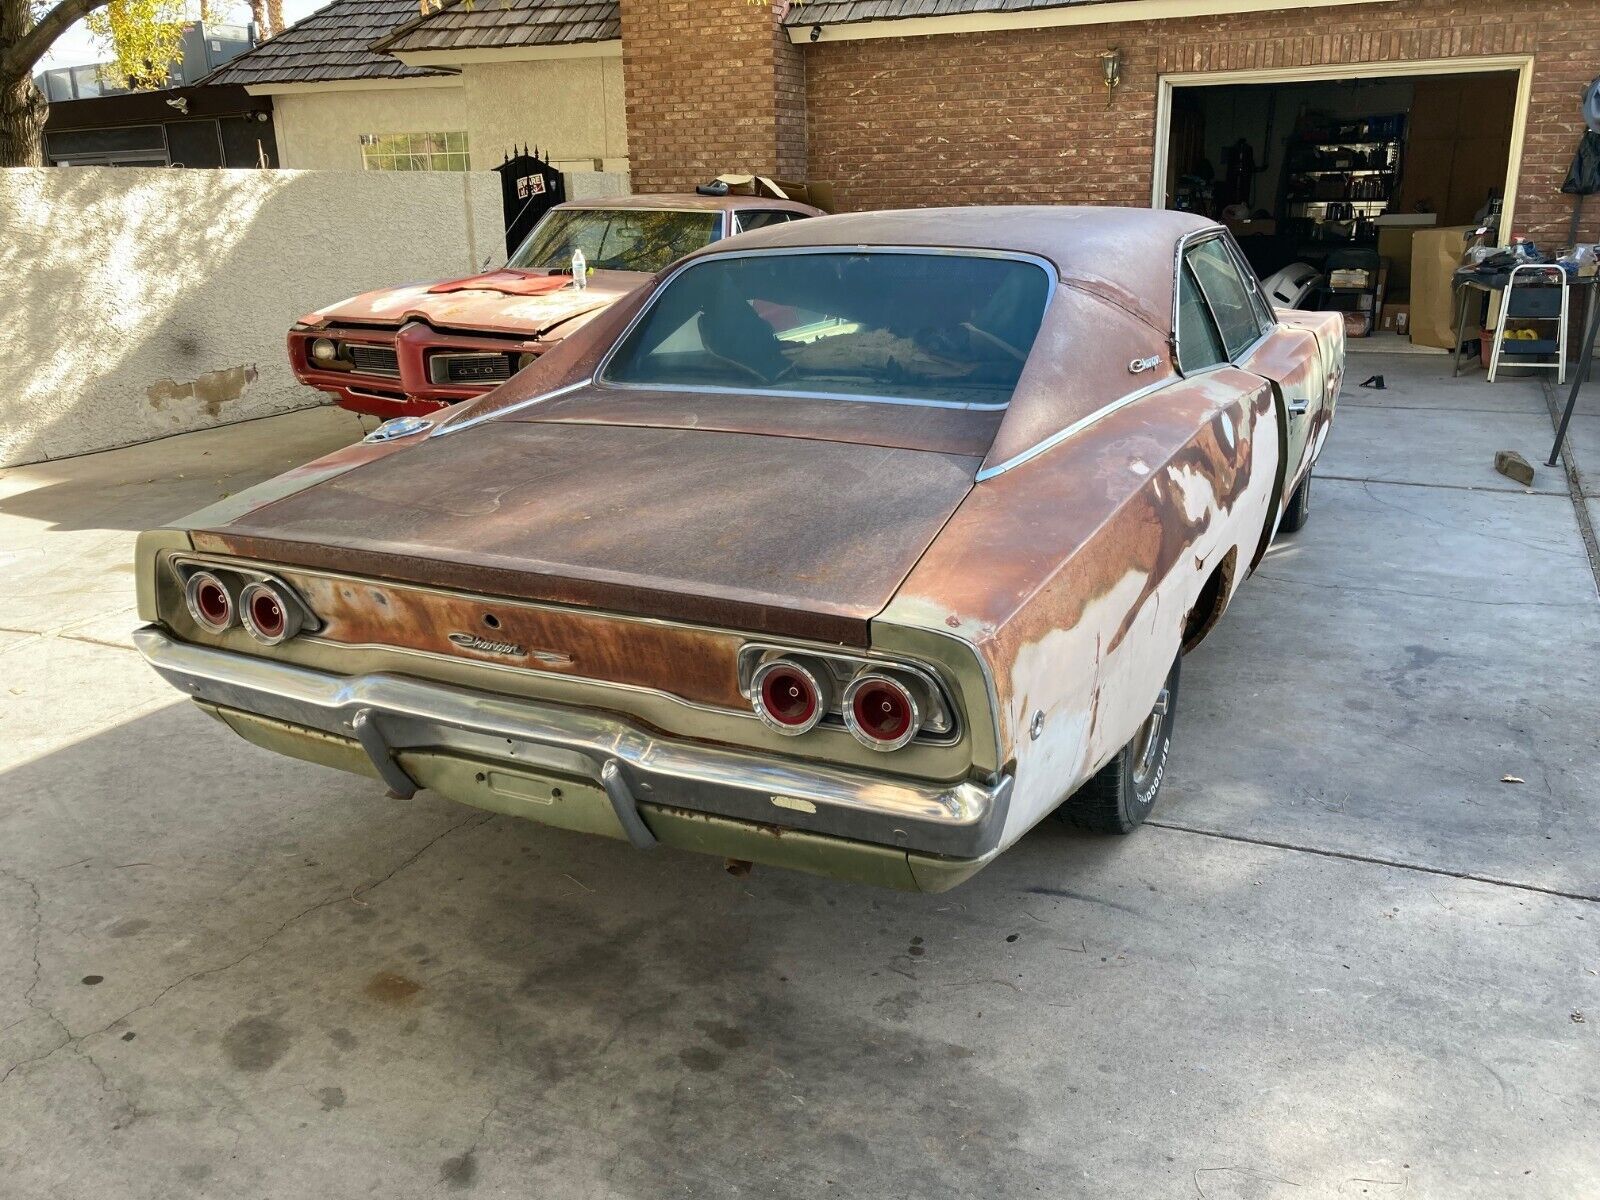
(32, 46)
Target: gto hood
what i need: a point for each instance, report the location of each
(498, 302)
(777, 535)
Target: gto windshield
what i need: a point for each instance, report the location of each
(944, 328)
(616, 239)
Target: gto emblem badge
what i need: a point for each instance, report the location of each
(471, 641)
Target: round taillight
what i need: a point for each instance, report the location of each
(267, 614)
(209, 601)
(881, 712)
(789, 697)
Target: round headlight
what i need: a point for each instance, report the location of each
(324, 350)
(524, 361)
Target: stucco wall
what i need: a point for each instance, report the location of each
(572, 108)
(321, 131)
(140, 303)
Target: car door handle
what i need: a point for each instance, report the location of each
(1297, 408)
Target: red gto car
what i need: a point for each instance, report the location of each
(411, 350)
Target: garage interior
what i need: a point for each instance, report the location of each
(1344, 174)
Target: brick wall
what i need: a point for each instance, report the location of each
(712, 86)
(1020, 117)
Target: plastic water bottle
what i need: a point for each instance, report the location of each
(580, 270)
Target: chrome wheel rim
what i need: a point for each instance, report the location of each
(1150, 738)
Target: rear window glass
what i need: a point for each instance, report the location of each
(616, 239)
(949, 329)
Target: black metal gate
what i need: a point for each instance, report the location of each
(529, 186)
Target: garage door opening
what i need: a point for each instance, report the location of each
(1321, 173)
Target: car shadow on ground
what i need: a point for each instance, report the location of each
(417, 993)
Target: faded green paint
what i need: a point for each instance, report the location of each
(583, 807)
(565, 801)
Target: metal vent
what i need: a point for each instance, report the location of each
(374, 360)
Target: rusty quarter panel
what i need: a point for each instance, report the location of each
(1073, 574)
(778, 535)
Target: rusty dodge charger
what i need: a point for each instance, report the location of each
(857, 545)
(425, 346)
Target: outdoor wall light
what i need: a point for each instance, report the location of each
(816, 32)
(1111, 67)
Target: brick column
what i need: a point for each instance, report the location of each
(712, 86)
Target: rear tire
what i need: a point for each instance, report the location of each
(1299, 510)
(1124, 792)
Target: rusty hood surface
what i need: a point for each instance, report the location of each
(488, 303)
(782, 535)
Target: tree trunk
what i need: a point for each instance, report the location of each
(258, 14)
(22, 114)
(275, 15)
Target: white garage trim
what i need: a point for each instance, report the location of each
(1520, 63)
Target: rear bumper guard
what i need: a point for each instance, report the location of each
(388, 714)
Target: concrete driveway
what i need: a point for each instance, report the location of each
(1347, 959)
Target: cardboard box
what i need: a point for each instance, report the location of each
(818, 195)
(1394, 243)
(1435, 254)
(1396, 318)
(1357, 324)
(1263, 227)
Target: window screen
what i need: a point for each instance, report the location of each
(415, 152)
(1218, 277)
(1199, 346)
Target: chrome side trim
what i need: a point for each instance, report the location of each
(1078, 426)
(760, 392)
(962, 819)
(479, 418)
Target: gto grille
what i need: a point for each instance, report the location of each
(374, 360)
(471, 368)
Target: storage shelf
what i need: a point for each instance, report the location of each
(1346, 171)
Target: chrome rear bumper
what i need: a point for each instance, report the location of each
(389, 714)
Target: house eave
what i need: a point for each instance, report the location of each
(385, 84)
(493, 54)
(1111, 12)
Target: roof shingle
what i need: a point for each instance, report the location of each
(482, 23)
(332, 43)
